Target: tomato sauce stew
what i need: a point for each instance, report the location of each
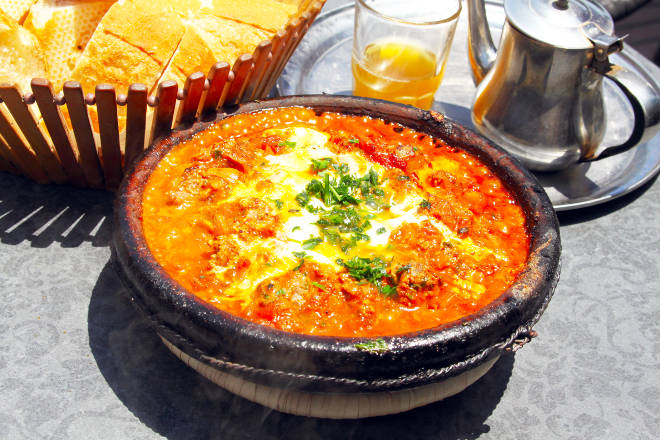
(330, 224)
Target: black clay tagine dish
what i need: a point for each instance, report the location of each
(240, 329)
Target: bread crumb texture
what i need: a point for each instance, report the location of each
(63, 29)
(17, 10)
(21, 57)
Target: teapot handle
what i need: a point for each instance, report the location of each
(645, 103)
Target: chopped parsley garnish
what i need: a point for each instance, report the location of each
(342, 190)
(320, 286)
(311, 243)
(289, 144)
(217, 154)
(278, 203)
(373, 270)
(321, 164)
(343, 219)
(404, 268)
(403, 177)
(354, 141)
(388, 290)
(280, 292)
(302, 198)
(425, 204)
(336, 223)
(341, 168)
(374, 345)
(301, 256)
(373, 177)
(348, 205)
(400, 270)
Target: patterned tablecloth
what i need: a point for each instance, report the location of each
(77, 362)
(620, 8)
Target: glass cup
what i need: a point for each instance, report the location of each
(400, 48)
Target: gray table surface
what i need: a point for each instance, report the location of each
(76, 361)
(621, 8)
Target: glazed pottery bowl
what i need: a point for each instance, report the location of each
(329, 376)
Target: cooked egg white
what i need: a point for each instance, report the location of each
(289, 173)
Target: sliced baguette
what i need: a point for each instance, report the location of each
(268, 15)
(208, 39)
(63, 29)
(193, 54)
(227, 38)
(133, 44)
(22, 57)
(17, 10)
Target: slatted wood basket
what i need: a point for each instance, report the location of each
(53, 148)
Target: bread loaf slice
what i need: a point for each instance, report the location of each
(268, 15)
(63, 27)
(132, 44)
(187, 9)
(210, 38)
(227, 38)
(193, 54)
(17, 10)
(21, 57)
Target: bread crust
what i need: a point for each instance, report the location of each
(64, 29)
(21, 58)
(17, 10)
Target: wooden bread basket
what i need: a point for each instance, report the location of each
(55, 148)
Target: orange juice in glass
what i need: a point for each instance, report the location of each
(400, 48)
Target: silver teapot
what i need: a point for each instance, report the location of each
(540, 95)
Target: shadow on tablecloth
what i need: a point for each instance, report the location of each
(47, 214)
(177, 403)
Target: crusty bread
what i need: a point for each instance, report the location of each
(21, 58)
(209, 39)
(146, 41)
(149, 25)
(229, 39)
(210, 36)
(16, 9)
(268, 15)
(132, 44)
(63, 28)
(193, 54)
(121, 42)
(187, 9)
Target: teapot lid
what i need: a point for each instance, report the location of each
(559, 23)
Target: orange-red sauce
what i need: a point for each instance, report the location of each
(191, 228)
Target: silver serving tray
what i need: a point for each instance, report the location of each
(321, 64)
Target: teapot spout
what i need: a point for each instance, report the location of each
(481, 50)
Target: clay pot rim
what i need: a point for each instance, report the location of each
(467, 341)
